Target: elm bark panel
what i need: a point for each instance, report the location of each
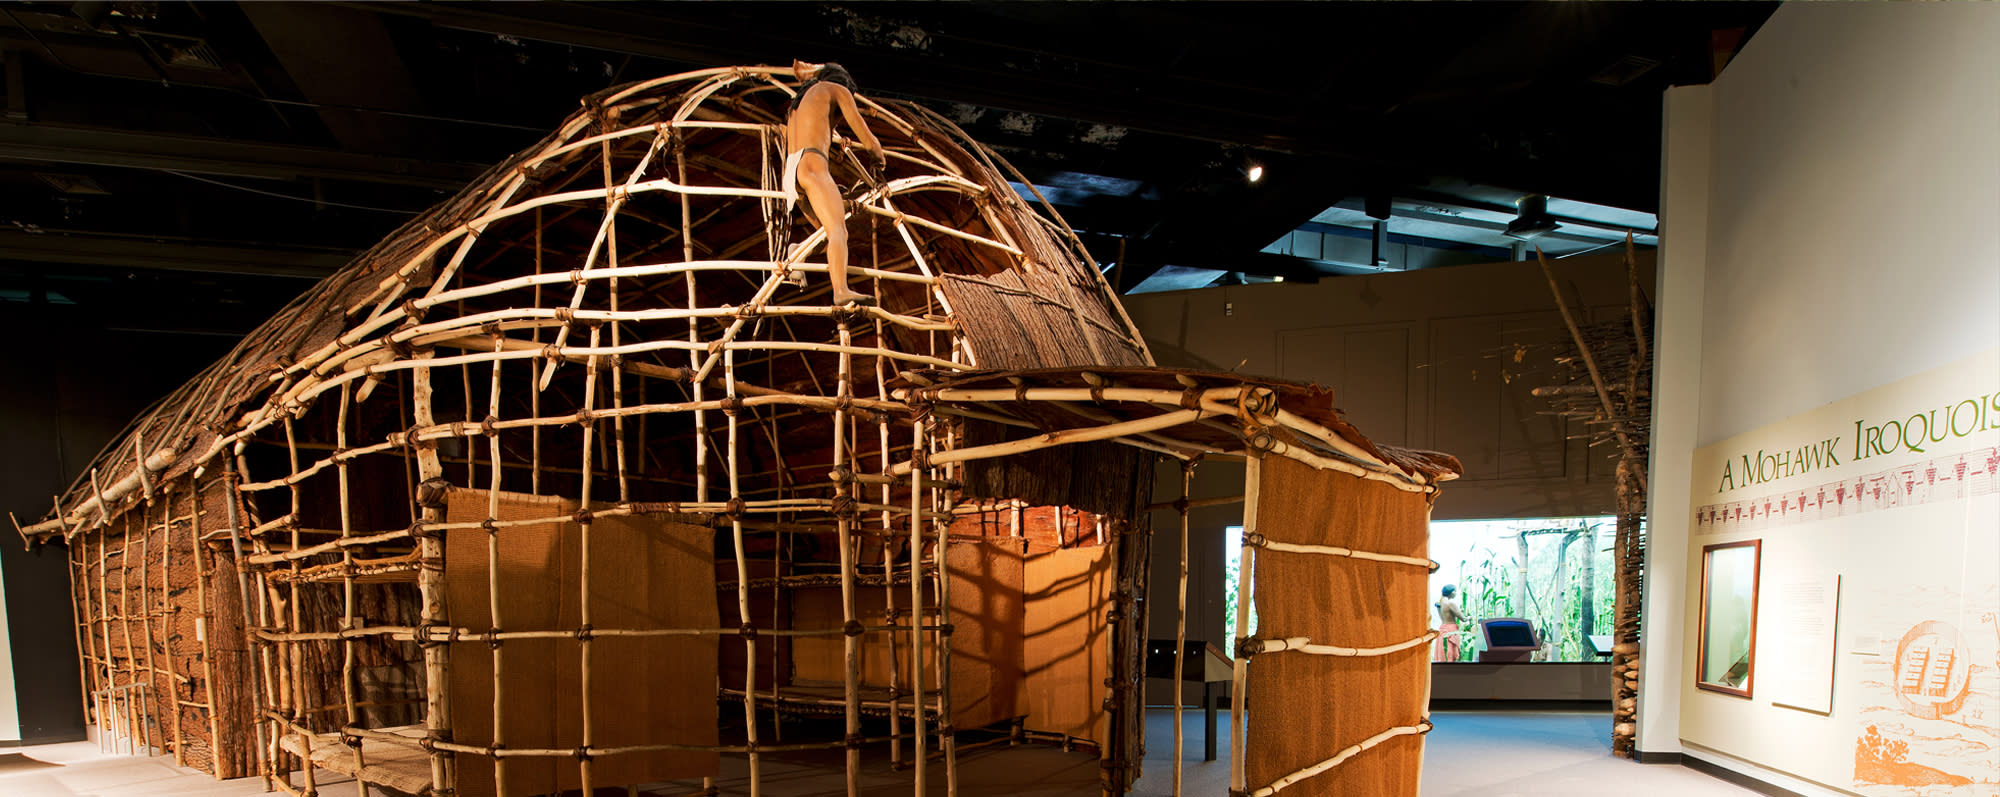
(1304, 708)
(645, 573)
(821, 660)
(1067, 641)
(987, 610)
(986, 650)
(235, 753)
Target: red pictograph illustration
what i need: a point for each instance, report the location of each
(1950, 477)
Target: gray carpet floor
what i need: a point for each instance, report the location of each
(1469, 754)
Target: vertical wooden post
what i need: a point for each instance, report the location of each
(202, 627)
(344, 482)
(886, 521)
(694, 335)
(1252, 484)
(917, 476)
(742, 573)
(583, 561)
(612, 203)
(535, 374)
(86, 625)
(1180, 610)
(149, 697)
(430, 585)
(270, 664)
(301, 705)
(104, 627)
(947, 732)
(125, 621)
(844, 516)
(259, 665)
(493, 578)
(167, 614)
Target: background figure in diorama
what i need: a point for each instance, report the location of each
(808, 168)
(1450, 617)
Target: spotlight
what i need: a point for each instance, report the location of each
(1532, 219)
(1255, 173)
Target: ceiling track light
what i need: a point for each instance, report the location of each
(1255, 172)
(1531, 218)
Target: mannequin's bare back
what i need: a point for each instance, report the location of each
(808, 162)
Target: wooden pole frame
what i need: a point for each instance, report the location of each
(477, 285)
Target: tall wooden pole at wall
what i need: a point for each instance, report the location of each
(1623, 407)
(1631, 546)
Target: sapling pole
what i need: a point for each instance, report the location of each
(916, 608)
(844, 519)
(168, 612)
(125, 624)
(1180, 622)
(347, 619)
(1247, 568)
(431, 588)
(203, 619)
(500, 783)
(585, 768)
(742, 578)
(941, 576)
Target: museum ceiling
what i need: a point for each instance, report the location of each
(188, 167)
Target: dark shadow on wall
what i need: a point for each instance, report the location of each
(70, 385)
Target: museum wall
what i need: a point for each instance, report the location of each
(1442, 359)
(1831, 271)
(66, 394)
(1435, 358)
(10, 716)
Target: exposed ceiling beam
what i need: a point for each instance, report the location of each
(697, 34)
(315, 43)
(223, 157)
(169, 255)
(1233, 224)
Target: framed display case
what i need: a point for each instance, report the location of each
(1728, 616)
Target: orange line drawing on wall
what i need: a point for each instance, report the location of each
(1931, 670)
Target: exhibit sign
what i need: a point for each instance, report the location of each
(1808, 608)
(1875, 526)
